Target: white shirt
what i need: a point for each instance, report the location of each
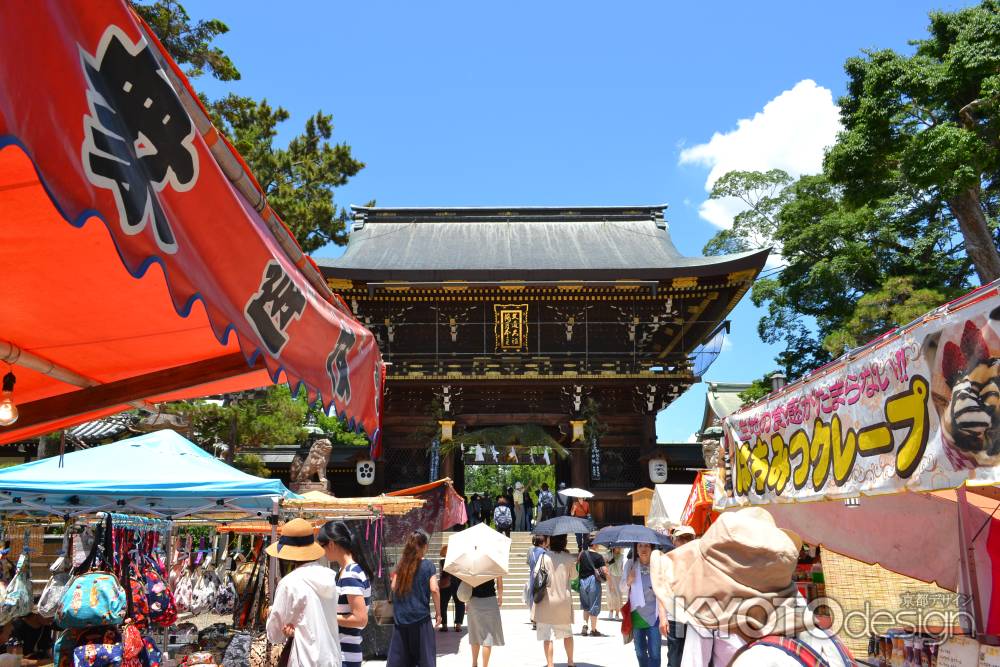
(307, 599)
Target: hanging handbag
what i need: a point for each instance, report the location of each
(17, 600)
(205, 588)
(225, 598)
(265, 654)
(98, 647)
(93, 599)
(540, 583)
(184, 591)
(48, 602)
(382, 612)
(159, 598)
(241, 576)
(150, 655)
(238, 651)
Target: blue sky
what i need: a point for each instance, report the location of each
(583, 103)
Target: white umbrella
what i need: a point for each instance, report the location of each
(477, 554)
(574, 492)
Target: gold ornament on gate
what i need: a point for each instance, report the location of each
(511, 327)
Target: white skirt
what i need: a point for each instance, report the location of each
(485, 626)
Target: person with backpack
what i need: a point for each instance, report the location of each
(538, 544)
(593, 572)
(743, 556)
(546, 503)
(529, 508)
(503, 519)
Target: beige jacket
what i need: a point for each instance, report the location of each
(556, 608)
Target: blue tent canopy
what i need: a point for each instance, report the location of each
(160, 473)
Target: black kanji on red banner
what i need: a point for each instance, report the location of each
(274, 306)
(338, 366)
(138, 139)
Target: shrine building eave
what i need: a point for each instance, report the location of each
(537, 244)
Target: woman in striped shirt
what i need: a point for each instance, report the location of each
(353, 587)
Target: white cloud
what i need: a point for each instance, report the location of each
(790, 133)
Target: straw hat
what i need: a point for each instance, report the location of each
(743, 555)
(297, 542)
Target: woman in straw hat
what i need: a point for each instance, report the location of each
(744, 566)
(413, 585)
(304, 610)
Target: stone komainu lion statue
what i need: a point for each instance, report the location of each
(314, 464)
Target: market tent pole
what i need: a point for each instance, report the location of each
(967, 557)
(272, 572)
(168, 563)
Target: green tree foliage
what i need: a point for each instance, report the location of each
(492, 480)
(905, 214)
(758, 389)
(268, 418)
(299, 179)
(188, 43)
(924, 129)
(252, 464)
(834, 254)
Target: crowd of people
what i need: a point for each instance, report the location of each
(318, 614)
(518, 508)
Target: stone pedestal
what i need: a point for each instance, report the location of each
(305, 487)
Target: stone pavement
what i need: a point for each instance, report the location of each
(522, 649)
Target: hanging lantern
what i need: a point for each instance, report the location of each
(578, 425)
(8, 410)
(658, 470)
(365, 471)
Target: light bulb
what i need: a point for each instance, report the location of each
(8, 411)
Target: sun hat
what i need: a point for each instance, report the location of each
(742, 556)
(682, 530)
(297, 542)
(519, 486)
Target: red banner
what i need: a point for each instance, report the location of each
(115, 133)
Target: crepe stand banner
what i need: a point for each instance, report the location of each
(698, 511)
(110, 165)
(918, 410)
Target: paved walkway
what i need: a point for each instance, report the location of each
(522, 649)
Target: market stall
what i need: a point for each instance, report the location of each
(121, 508)
(142, 262)
(698, 510)
(890, 455)
(666, 505)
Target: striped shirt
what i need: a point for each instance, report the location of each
(352, 581)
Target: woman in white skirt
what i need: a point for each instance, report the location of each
(485, 626)
(616, 569)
